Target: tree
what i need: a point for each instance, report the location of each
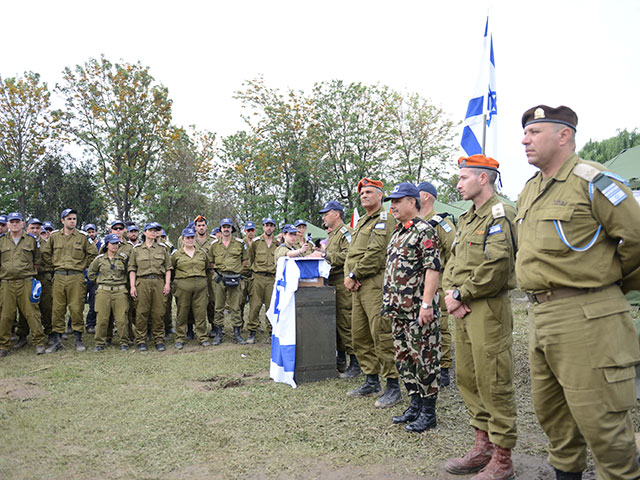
(447, 191)
(605, 150)
(28, 127)
(122, 118)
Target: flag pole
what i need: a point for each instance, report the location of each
(484, 132)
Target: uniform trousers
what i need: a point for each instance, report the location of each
(44, 305)
(150, 302)
(344, 304)
(261, 291)
(111, 301)
(68, 291)
(445, 333)
(192, 295)
(484, 367)
(15, 294)
(582, 353)
(371, 333)
(229, 297)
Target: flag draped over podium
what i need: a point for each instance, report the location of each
(479, 134)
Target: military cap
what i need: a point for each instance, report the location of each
(66, 212)
(3, 219)
(226, 221)
(478, 161)
(266, 220)
(289, 229)
(299, 222)
(404, 189)
(15, 216)
(332, 205)
(429, 188)
(132, 228)
(191, 225)
(163, 233)
(188, 232)
(367, 182)
(214, 231)
(89, 226)
(249, 225)
(34, 221)
(151, 226)
(543, 113)
(111, 238)
(48, 226)
(200, 218)
(117, 222)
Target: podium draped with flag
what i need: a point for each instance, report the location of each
(479, 134)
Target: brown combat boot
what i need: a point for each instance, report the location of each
(475, 459)
(500, 467)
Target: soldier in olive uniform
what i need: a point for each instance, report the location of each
(70, 251)
(190, 265)
(229, 257)
(109, 272)
(446, 232)
(203, 242)
(247, 272)
(410, 300)
(477, 279)
(579, 251)
(290, 247)
(3, 224)
(19, 260)
(150, 281)
(262, 260)
(336, 252)
(364, 276)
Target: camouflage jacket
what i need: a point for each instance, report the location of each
(412, 250)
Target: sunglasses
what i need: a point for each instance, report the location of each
(117, 228)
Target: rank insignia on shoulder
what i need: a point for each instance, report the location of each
(498, 210)
(445, 226)
(383, 215)
(610, 190)
(380, 226)
(346, 233)
(495, 229)
(437, 218)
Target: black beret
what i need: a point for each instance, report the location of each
(542, 113)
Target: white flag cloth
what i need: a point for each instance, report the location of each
(355, 217)
(483, 105)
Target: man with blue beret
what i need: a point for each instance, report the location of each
(247, 273)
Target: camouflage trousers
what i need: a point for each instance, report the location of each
(418, 351)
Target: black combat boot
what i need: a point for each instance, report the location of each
(56, 345)
(217, 335)
(445, 380)
(391, 396)
(341, 361)
(560, 475)
(78, 342)
(412, 412)
(252, 337)
(354, 369)
(22, 341)
(237, 337)
(370, 387)
(427, 417)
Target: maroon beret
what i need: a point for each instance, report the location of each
(543, 113)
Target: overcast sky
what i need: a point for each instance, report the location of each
(583, 54)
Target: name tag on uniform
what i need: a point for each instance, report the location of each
(380, 226)
(495, 229)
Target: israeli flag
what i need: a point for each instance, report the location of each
(282, 315)
(480, 122)
(313, 267)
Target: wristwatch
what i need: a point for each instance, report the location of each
(456, 295)
(352, 276)
(426, 306)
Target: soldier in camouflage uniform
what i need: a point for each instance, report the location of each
(410, 300)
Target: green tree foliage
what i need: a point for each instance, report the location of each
(28, 128)
(447, 191)
(122, 118)
(605, 150)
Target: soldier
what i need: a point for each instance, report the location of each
(446, 232)
(364, 276)
(70, 251)
(109, 272)
(247, 272)
(168, 299)
(262, 260)
(335, 252)
(3, 224)
(90, 321)
(229, 257)
(410, 300)
(47, 228)
(290, 246)
(19, 260)
(45, 275)
(132, 234)
(190, 264)
(579, 244)
(303, 236)
(150, 281)
(204, 241)
(477, 279)
(118, 228)
(216, 233)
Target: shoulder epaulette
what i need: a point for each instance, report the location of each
(498, 210)
(214, 241)
(137, 245)
(586, 172)
(33, 236)
(383, 215)
(82, 232)
(162, 244)
(124, 255)
(346, 233)
(172, 253)
(101, 255)
(55, 231)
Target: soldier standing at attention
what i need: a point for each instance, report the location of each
(364, 277)
(90, 321)
(335, 252)
(19, 260)
(263, 264)
(477, 279)
(132, 235)
(229, 257)
(70, 251)
(446, 232)
(410, 300)
(247, 272)
(109, 272)
(579, 251)
(203, 242)
(150, 281)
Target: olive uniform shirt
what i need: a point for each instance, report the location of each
(185, 266)
(152, 260)
(110, 272)
(228, 259)
(18, 261)
(75, 251)
(262, 257)
(336, 252)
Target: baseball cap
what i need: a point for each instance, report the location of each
(429, 188)
(88, 226)
(188, 232)
(33, 221)
(332, 205)
(15, 216)
(404, 189)
(67, 211)
(111, 238)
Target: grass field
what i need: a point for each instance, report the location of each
(214, 413)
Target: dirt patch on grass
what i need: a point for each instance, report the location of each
(218, 382)
(20, 389)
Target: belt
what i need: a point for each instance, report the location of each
(16, 279)
(559, 293)
(112, 288)
(149, 277)
(266, 274)
(68, 272)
